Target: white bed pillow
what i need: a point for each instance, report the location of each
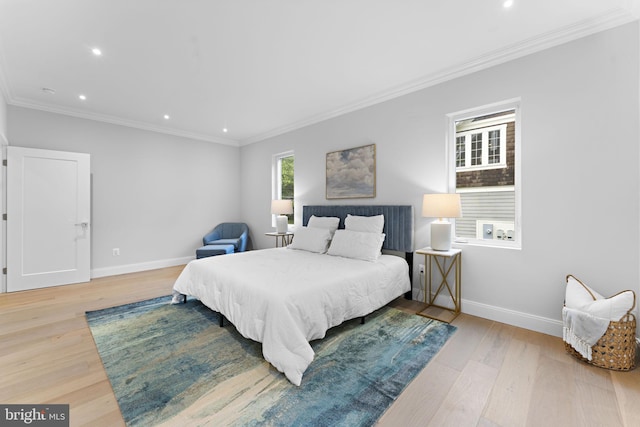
(580, 297)
(311, 239)
(369, 224)
(328, 222)
(356, 244)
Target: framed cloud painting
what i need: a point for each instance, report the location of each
(351, 173)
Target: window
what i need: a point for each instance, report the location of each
(481, 148)
(283, 167)
(461, 152)
(484, 144)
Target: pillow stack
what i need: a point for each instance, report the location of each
(362, 237)
(315, 237)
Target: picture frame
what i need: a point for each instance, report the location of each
(351, 173)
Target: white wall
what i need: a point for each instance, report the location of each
(153, 195)
(3, 120)
(580, 178)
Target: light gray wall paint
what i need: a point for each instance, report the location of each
(3, 120)
(153, 195)
(580, 179)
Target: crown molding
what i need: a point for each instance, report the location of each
(121, 122)
(4, 86)
(614, 18)
(11, 100)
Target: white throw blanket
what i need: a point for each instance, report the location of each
(582, 330)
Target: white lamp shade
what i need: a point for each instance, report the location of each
(281, 207)
(441, 206)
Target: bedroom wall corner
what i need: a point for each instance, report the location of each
(153, 195)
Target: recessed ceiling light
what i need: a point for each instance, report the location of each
(96, 51)
(166, 117)
(225, 130)
(507, 4)
(82, 97)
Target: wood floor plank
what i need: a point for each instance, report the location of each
(493, 348)
(54, 375)
(29, 344)
(101, 406)
(583, 372)
(417, 405)
(511, 394)
(82, 417)
(597, 406)
(464, 403)
(468, 336)
(627, 390)
(553, 390)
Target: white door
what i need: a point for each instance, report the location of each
(48, 211)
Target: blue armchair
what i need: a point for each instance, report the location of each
(229, 233)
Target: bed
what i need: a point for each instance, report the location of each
(286, 297)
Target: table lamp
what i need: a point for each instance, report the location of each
(281, 208)
(441, 206)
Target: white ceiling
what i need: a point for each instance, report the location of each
(261, 68)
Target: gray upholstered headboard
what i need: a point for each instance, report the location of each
(398, 225)
(398, 221)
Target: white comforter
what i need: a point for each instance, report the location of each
(285, 298)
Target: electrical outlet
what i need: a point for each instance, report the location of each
(421, 268)
(116, 251)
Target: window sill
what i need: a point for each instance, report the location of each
(501, 244)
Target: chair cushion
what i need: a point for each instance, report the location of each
(234, 242)
(212, 250)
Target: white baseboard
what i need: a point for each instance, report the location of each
(134, 268)
(528, 321)
(514, 318)
(510, 317)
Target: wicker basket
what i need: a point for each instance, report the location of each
(616, 349)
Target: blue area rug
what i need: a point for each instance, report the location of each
(173, 365)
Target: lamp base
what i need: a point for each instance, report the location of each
(441, 235)
(282, 224)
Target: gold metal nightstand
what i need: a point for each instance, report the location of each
(282, 239)
(447, 262)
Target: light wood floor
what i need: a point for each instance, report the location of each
(488, 374)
